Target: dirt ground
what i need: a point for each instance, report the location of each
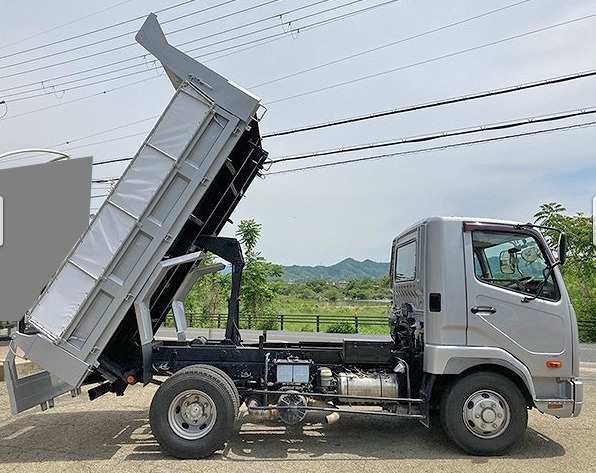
(113, 434)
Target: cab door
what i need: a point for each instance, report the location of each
(510, 304)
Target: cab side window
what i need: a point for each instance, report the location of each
(514, 261)
(405, 262)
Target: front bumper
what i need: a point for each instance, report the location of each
(569, 406)
(578, 397)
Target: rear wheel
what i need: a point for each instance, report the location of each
(225, 378)
(484, 413)
(192, 413)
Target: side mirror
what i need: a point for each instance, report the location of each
(562, 247)
(506, 262)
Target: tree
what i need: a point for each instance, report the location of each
(369, 289)
(256, 293)
(581, 252)
(331, 293)
(580, 268)
(209, 294)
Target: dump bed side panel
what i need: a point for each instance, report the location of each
(117, 225)
(213, 210)
(140, 221)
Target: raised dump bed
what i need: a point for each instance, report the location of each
(146, 239)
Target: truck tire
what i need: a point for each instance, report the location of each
(218, 372)
(484, 413)
(192, 413)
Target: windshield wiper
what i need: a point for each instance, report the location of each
(542, 283)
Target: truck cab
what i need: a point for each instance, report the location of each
(481, 304)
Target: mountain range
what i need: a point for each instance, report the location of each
(343, 271)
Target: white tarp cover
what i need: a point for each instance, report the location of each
(104, 241)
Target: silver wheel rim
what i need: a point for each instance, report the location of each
(486, 414)
(192, 414)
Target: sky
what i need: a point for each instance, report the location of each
(315, 62)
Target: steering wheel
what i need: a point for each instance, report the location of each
(520, 283)
(526, 279)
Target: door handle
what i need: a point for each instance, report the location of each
(484, 309)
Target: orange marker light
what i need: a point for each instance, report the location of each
(130, 380)
(554, 364)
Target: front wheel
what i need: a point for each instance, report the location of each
(193, 412)
(484, 413)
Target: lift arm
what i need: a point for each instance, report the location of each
(229, 249)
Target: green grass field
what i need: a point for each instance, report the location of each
(305, 315)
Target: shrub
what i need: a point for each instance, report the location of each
(269, 323)
(341, 327)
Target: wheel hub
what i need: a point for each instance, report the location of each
(193, 411)
(486, 414)
(192, 414)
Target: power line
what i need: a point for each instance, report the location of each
(307, 16)
(118, 48)
(77, 87)
(68, 61)
(123, 60)
(88, 33)
(63, 76)
(288, 23)
(392, 43)
(302, 29)
(56, 86)
(292, 31)
(99, 163)
(244, 25)
(414, 139)
(138, 72)
(438, 103)
(279, 34)
(142, 133)
(106, 131)
(427, 61)
(110, 161)
(60, 86)
(60, 27)
(434, 148)
(105, 51)
(225, 49)
(443, 134)
(103, 92)
(400, 153)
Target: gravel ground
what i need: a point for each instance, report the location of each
(113, 434)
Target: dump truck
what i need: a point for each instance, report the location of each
(482, 327)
